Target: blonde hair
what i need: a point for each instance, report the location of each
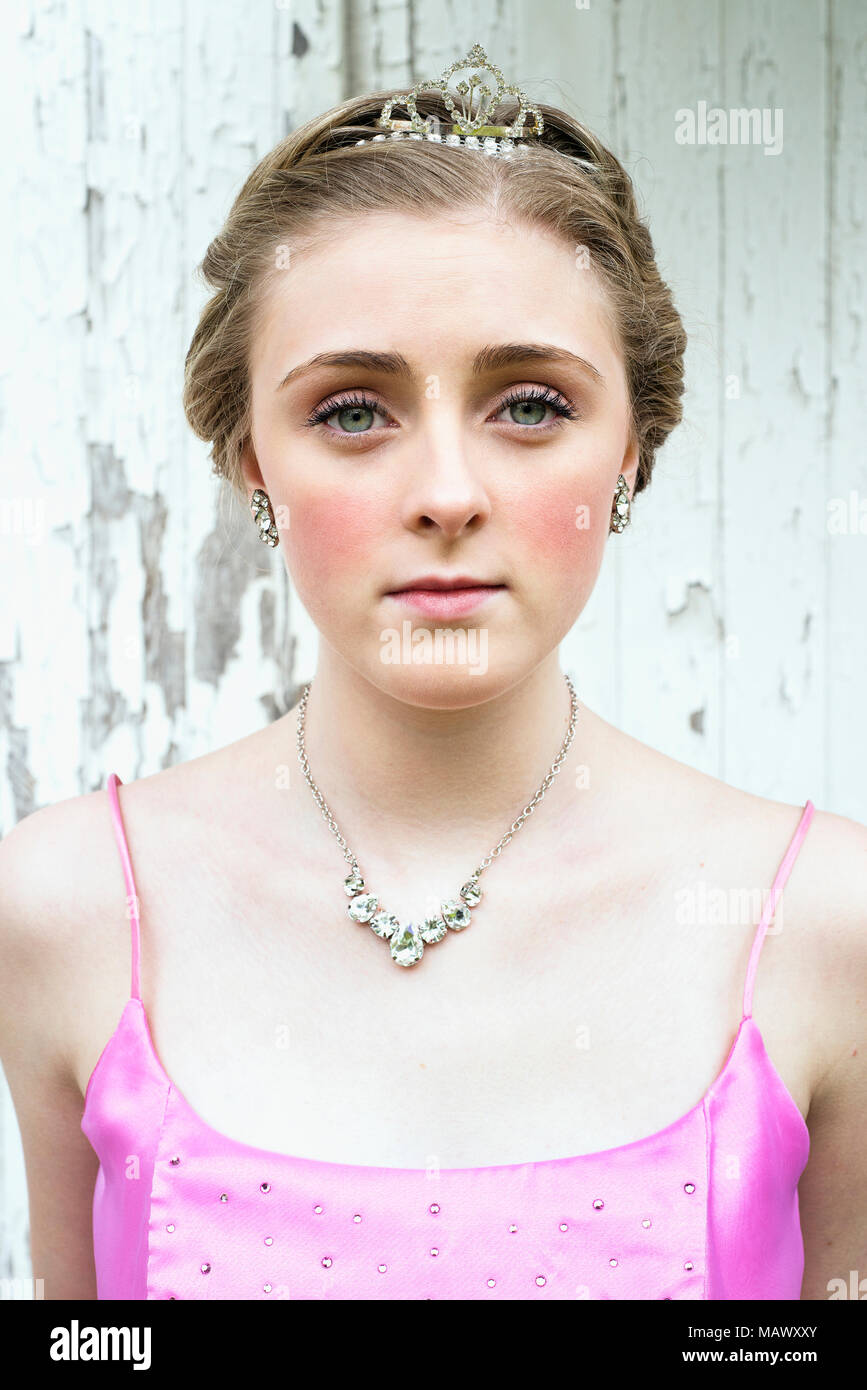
(317, 176)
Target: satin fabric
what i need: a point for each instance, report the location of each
(706, 1208)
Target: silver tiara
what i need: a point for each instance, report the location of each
(470, 128)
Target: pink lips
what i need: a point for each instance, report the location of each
(446, 603)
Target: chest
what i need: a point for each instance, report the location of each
(573, 1015)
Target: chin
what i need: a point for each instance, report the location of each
(447, 686)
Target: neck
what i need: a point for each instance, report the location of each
(448, 780)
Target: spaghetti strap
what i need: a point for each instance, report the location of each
(132, 897)
(771, 903)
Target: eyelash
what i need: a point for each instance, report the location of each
(558, 404)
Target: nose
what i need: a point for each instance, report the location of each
(445, 489)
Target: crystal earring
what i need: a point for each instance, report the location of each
(264, 518)
(620, 506)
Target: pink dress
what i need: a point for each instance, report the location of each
(706, 1208)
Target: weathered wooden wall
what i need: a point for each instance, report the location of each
(142, 623)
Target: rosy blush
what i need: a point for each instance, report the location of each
(334, 530)
(560, 520)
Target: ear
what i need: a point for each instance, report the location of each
(629, 463)
(250, 470)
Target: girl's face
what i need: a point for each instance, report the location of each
(439, 398)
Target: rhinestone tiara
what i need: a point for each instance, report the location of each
(470, 129)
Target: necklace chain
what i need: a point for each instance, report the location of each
(514, 827)
(459, 917)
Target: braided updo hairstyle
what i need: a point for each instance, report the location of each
(317, 177)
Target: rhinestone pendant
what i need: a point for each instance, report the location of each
(362, 908)
(471, 892)
(455, 915)
(385, 924)
(432, 930)
(406, 944)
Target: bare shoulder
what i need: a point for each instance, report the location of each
(42, 860)
(834, 874)
(740, 839)
(64, 913)
(824, 916)
(54, 877)
(824, 907)
(831, 867)
(64, 922)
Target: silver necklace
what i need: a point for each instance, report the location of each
(408, 940)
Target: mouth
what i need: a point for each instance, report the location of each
(440, 600)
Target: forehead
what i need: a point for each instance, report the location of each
(433, 289)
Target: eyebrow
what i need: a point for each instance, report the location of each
(488, 359)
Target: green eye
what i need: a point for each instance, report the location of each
(352, 413)
(526, 410)
(531, 405)
(351, 418)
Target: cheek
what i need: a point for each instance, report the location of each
(330, 534)
(564, 524)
